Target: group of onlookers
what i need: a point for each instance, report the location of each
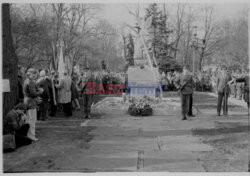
(42, 93)
(184, 82)
(207, 81)
(237, 89)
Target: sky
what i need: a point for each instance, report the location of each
(118, 13)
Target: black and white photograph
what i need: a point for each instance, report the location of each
(137, 87)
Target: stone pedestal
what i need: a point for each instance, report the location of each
(142, 81)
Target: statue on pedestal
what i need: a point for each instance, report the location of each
(144, 76)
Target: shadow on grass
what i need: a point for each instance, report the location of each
(221, 129)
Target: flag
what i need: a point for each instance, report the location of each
(61, 64)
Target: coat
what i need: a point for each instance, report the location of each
(12, 122)
(30, 93)
(222, 85)
(74, 91)
(246, 87)
(43, 83)
(184, 83)
(64, 90)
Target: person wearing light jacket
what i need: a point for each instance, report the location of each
(64, 93)
(31, 94)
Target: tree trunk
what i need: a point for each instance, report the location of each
(176, 47)
(10, 61)
(201, 59)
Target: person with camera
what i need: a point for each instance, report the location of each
(16, 123)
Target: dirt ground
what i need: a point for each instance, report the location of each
(229, 137)
(62, 140)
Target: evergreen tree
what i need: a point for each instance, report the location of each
(161, 47)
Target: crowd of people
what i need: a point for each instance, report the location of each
(42, 93)
(207, 81)
(223, 82)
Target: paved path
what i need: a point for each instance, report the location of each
(119, 142)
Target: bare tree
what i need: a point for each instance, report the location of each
(72, 27)
(179, 26)
(210, 39)
(107, 34)
(184, 47)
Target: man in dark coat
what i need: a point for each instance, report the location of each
(53, 92)
(44, 106)
(15, 122)
(184, 84)
(223, 90)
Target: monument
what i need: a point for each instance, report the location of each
(143, 78)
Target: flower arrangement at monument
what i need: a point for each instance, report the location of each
(139, 107)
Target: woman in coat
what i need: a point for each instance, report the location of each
(64, 94)
(31, 94)
(74, 92)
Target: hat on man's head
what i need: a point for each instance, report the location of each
(31, 70)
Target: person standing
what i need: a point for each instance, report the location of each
(233, 86)
(245, 80)
(184, 84)
(74, 92)
(64, 93)
(213, 82)
(87, 97)
(163, 81)
(44, 106)
(190, 107)
(238, 85)
(30, 100)
(53, 93)
(223, 90)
